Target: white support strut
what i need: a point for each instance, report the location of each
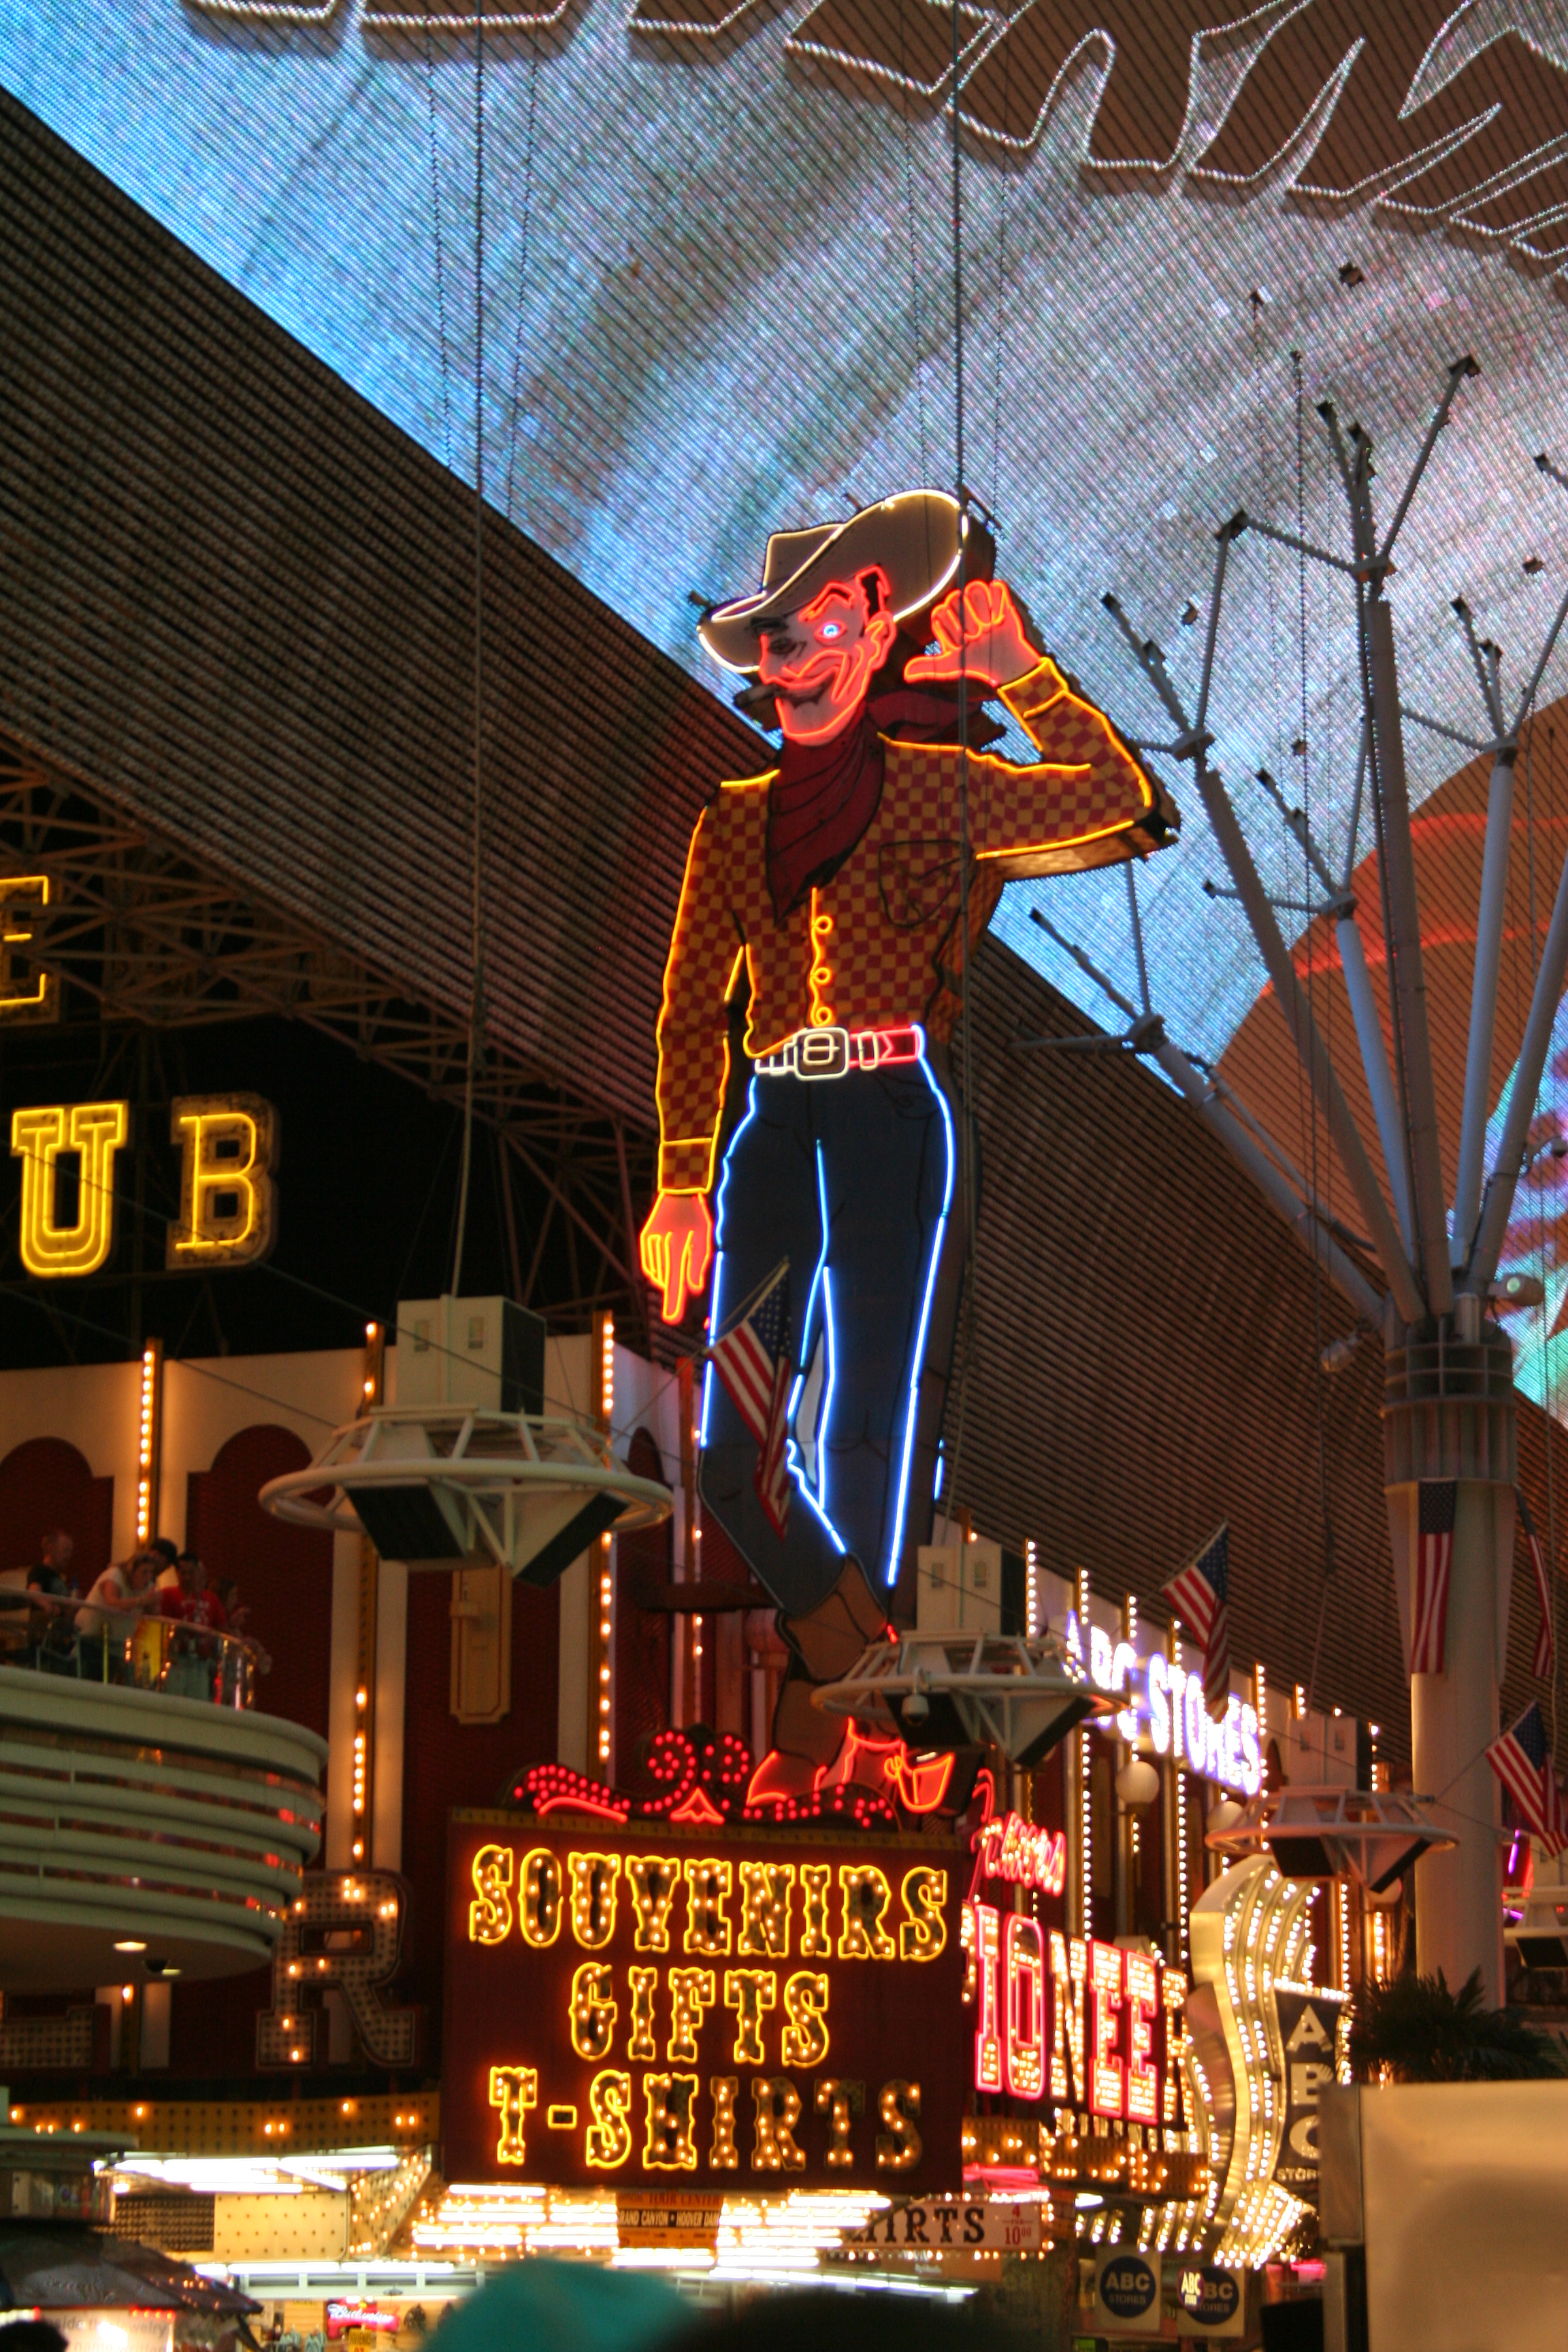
(1498, 1201)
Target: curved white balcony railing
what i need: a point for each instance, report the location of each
(145, 1832)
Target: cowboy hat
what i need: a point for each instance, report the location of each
(913, 538)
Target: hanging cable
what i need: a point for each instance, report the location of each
(1306, 1095)
(477, 997)
(1004, 178)
(440, 257)
(1304, 738)
(522, 266)
(914, 269)
(966, 996)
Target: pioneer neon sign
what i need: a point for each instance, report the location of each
(1082, 2024)
(1165, 1706)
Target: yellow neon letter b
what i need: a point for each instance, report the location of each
(228, 1149)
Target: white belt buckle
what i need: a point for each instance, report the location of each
(821, 1053)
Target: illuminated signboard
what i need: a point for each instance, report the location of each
(228, 1149)
(1019, 1852)
(91, 1134)
(1265, 2026)
(1069, 2021)
(26, 994)
(1073, 2022)
(1166, 1706)
(830, 886)
(718, 2012)
(341, 2317)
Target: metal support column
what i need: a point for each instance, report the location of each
(1449, 1414)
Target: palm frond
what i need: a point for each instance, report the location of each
(1417, 2031)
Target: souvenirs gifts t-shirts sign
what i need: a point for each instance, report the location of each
(719, 2011)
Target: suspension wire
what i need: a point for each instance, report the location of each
(440, 258)
(477, 998)
(1320, 1376)
(1003, 177)
(914, 265)
(523, 264)
(965, 1016)
(962, 496)
(1541, 1246)
(1374, 777)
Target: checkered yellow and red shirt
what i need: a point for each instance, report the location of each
(878, 946)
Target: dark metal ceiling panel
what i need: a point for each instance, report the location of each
(239, 603)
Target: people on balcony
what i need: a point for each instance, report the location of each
(193, 1664)
(115, 1605)
(52, 1574)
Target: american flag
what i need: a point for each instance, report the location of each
(753, 1363)
(1545, 1648)
(1521, 1760)
(1434, 1559)
(1200, 1596)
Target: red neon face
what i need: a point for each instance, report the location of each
(820, 660)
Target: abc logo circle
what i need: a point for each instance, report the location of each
(1129, 2286)
(1211, 2296)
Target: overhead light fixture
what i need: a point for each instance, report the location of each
(1340, 1352)
(1370, 1836)
(130, 1943)
(1517, 1290)
(960, 1689)
(1138, 1782)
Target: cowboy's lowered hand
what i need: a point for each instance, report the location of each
(676, 1249)
(981, 631)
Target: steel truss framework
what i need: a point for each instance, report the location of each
(1427, 1273)
(140, 932)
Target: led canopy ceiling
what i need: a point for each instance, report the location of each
(719, 300)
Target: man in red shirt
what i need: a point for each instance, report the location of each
(824, 893)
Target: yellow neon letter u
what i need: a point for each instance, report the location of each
(39, 1136)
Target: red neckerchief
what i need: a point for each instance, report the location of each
(825, 794)
(821, 802)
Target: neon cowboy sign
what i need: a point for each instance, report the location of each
(1165, 1709)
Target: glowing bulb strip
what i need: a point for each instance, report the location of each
(1086, 1789)
(601, 1667)
(605, 1655)
(149, 1441)
(1249, 1932)
(373, 1381)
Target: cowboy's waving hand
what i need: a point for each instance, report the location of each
(983, 633)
